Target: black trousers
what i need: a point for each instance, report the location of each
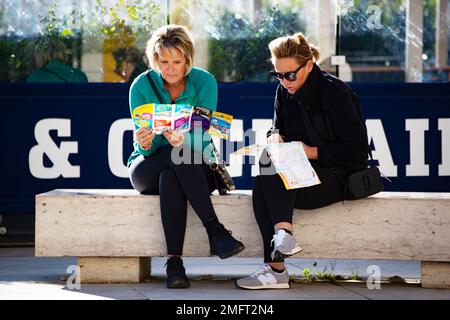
(175, 183)
(272, 203)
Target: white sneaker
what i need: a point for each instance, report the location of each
(285, 245)
(265, 278)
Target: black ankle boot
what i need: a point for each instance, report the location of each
(222, 242)
(176, 274)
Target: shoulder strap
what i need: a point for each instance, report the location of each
(155, 90)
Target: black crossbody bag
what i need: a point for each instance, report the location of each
(361, 183)
(224, 182)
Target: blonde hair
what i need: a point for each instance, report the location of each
(170, 37)
(295, 46)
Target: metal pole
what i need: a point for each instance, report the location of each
(338, 22)
(168, 11)
(442, 28)
(414, 41)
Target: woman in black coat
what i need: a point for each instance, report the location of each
(335, 143)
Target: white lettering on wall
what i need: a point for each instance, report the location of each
(444, 127)
(260, 127)
(382, 153)
(417, 166)
(58, 156)
(115, 147)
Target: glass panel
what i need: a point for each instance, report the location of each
(232, 37)
(435, 41)
(372, 38)
(91, 35)
(386, 41)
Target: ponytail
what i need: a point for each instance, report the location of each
(295, 46)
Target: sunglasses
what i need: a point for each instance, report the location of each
(289, 76)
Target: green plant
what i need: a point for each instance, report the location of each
(114, 24)
(308, 275)
(17, 52)
(323, 275)
(354, 273)
(124, 22)
(238, 47)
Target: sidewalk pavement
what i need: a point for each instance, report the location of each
(23, 276)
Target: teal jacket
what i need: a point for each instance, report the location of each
(56, 71)
(200, 90)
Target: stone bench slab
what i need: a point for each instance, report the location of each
(123, 223)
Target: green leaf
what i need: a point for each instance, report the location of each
(66, 32)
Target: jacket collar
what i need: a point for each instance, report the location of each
(310, 91)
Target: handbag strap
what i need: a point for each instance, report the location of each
(155, 90)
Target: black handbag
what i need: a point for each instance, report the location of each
(202, 115)
(224, 182)
(364, 183)
(361, 183)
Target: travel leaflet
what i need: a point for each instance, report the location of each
(181, 118)
(290, 162)
(292, 165)
(163, 117)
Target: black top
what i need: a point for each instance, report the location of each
(334, 111)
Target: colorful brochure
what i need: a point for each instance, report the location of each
(220, 125)
(163, 117)
(181, 118)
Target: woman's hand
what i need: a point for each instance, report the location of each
(175, 139)
(145, 136)
(275, 138)
(311, 152)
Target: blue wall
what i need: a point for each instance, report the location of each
(93, 108)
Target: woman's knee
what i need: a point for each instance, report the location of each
(167, 175)
(140, 179)
(143, 186)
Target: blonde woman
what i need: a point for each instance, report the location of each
(152, 169)
(305, 92)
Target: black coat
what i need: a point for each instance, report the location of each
(334, 111)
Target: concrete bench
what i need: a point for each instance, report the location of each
(114, 233)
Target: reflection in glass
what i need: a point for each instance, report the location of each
(387, 41)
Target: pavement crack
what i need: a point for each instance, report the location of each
(140, 293)
(351, 290)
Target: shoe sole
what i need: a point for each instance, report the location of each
(232, 253)
(265, 286)
(280, 256)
